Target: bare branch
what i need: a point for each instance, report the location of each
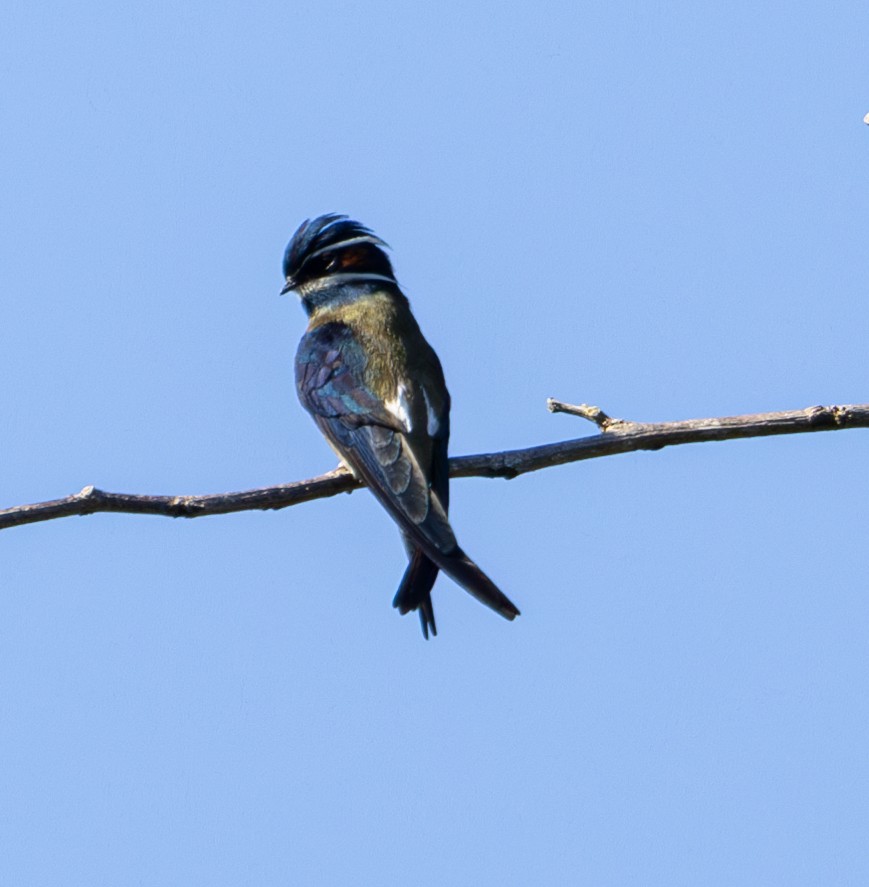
(617, 436)
(91, 500)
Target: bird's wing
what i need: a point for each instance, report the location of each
(381, 442)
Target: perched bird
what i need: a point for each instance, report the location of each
(376, 390)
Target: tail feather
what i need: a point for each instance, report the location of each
(459, 567)
(414, 592)
(426, 617)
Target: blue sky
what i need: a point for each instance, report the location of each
(658, 209)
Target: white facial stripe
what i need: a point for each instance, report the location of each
(367, 238)
(347, 276)
(321, 283)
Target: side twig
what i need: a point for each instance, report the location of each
(617, 436)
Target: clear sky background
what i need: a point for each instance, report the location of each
(661, 209)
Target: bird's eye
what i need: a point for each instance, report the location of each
(332, 264)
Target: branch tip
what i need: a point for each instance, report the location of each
(584, 411)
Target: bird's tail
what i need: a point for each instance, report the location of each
(459, 567)
(414, 593)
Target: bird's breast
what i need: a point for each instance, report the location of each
(377, 325)
(401, 368)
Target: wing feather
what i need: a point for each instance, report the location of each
(399, 469)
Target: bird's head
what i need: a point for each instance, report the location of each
(332, 251)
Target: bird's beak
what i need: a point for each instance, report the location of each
(288, 286)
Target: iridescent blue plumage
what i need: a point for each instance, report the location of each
(376, 390)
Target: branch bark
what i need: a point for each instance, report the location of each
(616, 436)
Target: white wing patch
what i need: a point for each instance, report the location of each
(400, 408)
(432, 423)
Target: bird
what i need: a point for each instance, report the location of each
(376, 390)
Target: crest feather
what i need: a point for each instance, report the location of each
(320, 235)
